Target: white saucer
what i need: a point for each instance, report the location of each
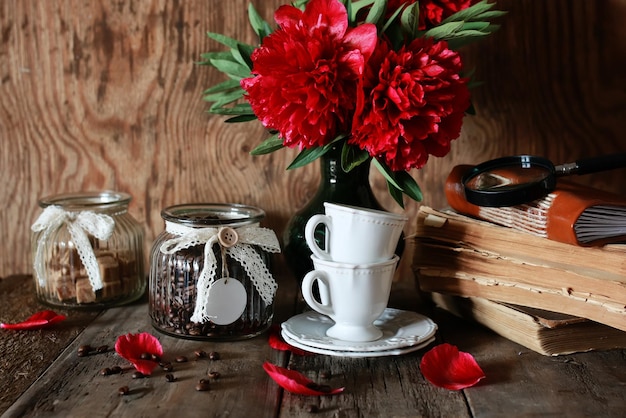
(400, 329)
(356, 354)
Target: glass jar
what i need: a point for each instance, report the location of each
(210, 272)
(87, 251)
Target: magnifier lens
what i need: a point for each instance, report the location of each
(509, 181)
(507, 178)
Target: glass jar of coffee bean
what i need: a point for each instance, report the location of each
(87, 251)
(210, 274)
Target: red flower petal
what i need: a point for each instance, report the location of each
(297, 383)
(36, 321)
(277, 342)
(447, 367)
(133, 346)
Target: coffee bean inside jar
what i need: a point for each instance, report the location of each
(210, 272)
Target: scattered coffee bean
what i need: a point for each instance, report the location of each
(203, 385)
(102, 349)
(124, 390)
(168, 367)
(200, 353)
(312, 409)
(105, 372)
(116, 370)
(170, 377)
(146, 356)
(155, 358)
(84, 350)
(214, 355)
(214, 375)
(138, 375)
(181, 359)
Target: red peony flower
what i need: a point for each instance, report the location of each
(447, 367)
(431, 12)
(415, 101)
(307, 73)
(140, 350)
(36, 321)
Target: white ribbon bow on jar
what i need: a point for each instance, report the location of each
(238, 243)
(79, 224)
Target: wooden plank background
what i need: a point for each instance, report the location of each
(107, 95)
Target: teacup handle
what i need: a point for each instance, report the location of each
(309, 234)
(325, 307)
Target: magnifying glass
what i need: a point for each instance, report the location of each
(510, 181)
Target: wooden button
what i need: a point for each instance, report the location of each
(227, 237)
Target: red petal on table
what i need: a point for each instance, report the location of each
(133, 346)
(36, 321)
(297, 383)
(277, 342)
(447, 367)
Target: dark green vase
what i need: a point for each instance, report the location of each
(336, 186)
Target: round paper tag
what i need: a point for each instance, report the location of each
(227, 301)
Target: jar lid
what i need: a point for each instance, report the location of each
(86, 200)
(213, 214)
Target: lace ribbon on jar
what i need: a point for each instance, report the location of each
(236, 243)
(78, 224)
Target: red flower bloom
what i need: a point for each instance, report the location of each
(133, 347)
(432, 12)
(297, 383)
(445, 366)
(415, 101)
(307, 73)
(36, 321)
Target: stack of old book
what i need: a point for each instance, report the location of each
(550, 274)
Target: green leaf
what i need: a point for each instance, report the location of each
(260, 26)
(396, 194)
(271, 144)
(241, 118)
(409, 20)
(355, 7)
(208, 56)
(409, 185)
(352, 157)
(223, 39)
(246, 51)
(223, 86)
(239, 109)
(444, 31)
(309, 155)
(386, 172)
(224, 97)
(376, 11)
(233, 69)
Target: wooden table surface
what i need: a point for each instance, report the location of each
(42, 375)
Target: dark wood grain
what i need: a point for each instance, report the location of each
(98, 95)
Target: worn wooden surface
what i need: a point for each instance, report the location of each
(106, 94)
(519, 382)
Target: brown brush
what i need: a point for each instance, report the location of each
(572, 213)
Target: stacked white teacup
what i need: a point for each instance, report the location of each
(355, 270)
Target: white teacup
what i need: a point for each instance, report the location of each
(355, 235)
(353, 296)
